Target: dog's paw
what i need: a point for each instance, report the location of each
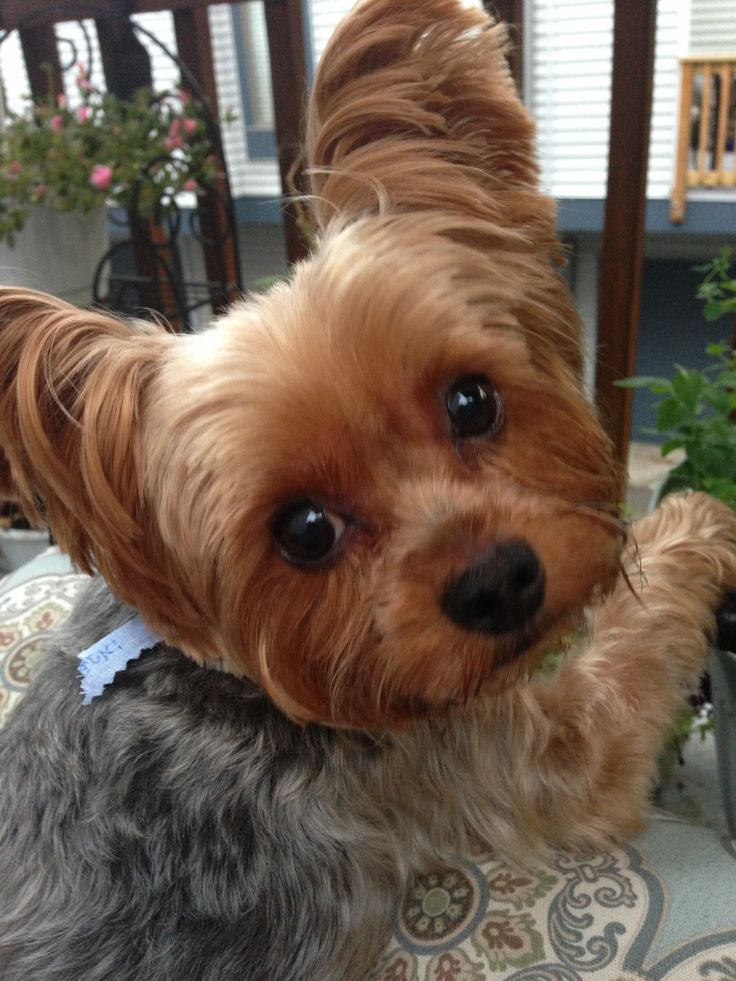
(695, 530)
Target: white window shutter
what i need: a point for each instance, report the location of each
(713, 27)
(570, 60)
(324, 16)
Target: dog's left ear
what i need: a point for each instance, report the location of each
(413, 108)
(72, 409)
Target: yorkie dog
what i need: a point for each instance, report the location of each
(357, 511)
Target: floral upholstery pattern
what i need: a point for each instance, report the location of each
(620, 915)
(33, 600)
(661, 908)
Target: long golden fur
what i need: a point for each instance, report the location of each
(163, 461)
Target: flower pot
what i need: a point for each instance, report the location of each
(57, 252)
(20, 545)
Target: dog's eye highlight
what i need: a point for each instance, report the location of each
(306, 533)
(474, 406)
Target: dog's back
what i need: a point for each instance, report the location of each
(178, 827)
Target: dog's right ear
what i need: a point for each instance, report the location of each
(74, 384)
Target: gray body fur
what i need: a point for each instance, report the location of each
(181, 827)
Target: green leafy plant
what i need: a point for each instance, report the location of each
(696, 410)
(140, 153)
(691, 720)
(718, 288)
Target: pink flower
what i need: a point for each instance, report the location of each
(39, 190)
(174, 128)
(14, 167)
(101, 176)
(62, 101)
(173, 143)
(83, 114)
(191, 185)
(190, 125)
(57, 124)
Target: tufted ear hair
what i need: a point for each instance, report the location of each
(413, 108)
(74, 384)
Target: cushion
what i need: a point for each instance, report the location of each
(33, 600)
(661, 907)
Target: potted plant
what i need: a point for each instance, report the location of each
(696, 409)
(62, 165)
(696, 413)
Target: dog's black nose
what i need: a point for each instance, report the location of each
(500, 592)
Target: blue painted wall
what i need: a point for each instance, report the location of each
(672, 330)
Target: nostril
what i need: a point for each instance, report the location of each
(482, 603)
(498, 593)
(526, 575)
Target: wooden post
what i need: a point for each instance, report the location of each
(289, 82)
(622, 247)
(511, 12)
(704, 129)
(220, 249)
(40, 53)
(679, 190)
(127, 68)
(724, 95)
(125, 61)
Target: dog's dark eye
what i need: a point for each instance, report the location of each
(306, 532)
(474, 406)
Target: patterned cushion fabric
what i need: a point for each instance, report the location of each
(33, 600)
(662, 907)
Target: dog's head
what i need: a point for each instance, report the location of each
(379, 486)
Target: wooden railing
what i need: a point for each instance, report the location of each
(706, 129)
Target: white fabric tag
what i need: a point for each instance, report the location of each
(99, 664)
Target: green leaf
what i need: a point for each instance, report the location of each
(720, 400)
(715, 309)
(714, 461)
(722, 488)
(672, 413)
(687, 386)
(716, 350)
(644, 381)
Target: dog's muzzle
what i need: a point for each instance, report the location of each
(500, 592)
